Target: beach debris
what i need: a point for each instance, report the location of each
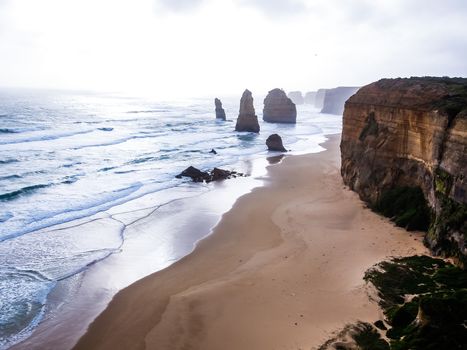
(247, 119)
(278, 108)
(220, 113)
(215, 174)
(274, 143)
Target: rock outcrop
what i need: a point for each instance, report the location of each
(215, 174)
(319, 98)
(247, 119)
(309, 98)
(334, 99)
(296, 97)
(274, 143)
(220, 113)
(278, 108)
(401, 134)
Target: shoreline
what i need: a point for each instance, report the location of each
(284, 273)
(157, 233)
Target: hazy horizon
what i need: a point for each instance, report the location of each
(181, 48)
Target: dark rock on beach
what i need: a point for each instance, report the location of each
(215, 174)
(220, 113)
(247, 119)
(195, 174)
(274, 143)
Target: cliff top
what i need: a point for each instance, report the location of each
(423, 93)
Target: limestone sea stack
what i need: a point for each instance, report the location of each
(334, 99)
(278, 108)
(404, 151)
(247, 119)
(296, 97)
(319, 98)
(274, 143)
(309, 98)
(220, 113)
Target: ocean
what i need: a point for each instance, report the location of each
(70, 159)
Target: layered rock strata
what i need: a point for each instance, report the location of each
(247, 119)
(412, 133)
(278, 108)
(334, 99)
(220, 113)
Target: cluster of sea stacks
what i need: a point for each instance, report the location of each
(330, 101)
(278, 108)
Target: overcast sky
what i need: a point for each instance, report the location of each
(212, 47)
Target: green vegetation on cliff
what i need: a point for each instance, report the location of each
(451, 217)
(406, 206)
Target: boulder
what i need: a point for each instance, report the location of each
(278, 108)
(215, 174)
(296, 97)
(247, 119)
(220, 113)
(195, 174)
(274, 143)
(220, 174)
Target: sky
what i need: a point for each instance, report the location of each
(172, 48)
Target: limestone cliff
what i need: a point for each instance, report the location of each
(334, 99)
(403, 134)
(278, 108)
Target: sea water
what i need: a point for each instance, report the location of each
(68, 156)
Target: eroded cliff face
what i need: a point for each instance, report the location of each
(412, 133)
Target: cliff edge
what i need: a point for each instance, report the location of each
(404, 151)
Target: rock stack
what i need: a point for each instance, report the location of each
(220, 113)
(274, 143)
(278, 108)
(296, 97)
(247, 119)
(334, 99)
(310, 97)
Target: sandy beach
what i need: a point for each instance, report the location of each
(282, 270)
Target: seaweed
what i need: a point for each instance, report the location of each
(424, 300)
(368, 338)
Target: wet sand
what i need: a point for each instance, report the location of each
(282, 270)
